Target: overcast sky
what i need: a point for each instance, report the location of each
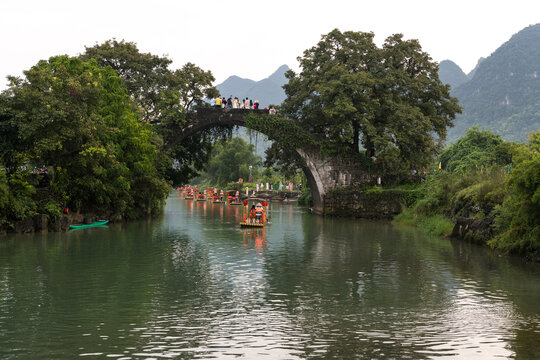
(251, 39)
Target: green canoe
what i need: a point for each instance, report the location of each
(99, 223)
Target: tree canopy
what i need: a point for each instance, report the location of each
(163, 97)
(389, 100)
(230, 161)
(478, 148)
(76, 120)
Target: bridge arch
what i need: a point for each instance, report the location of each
(207, 118)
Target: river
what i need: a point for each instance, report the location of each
(194, 285)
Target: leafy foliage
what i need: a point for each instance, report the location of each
(519, 216)
(476, 149)
(16, 198)
(144, 74)
(231, 161)
(388, 99)
(163, 97)
(76, 120)
(510, 199)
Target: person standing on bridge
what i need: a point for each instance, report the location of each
(218, 102)
(247, 104)
(235, 103)
(229, 102)
(256, 105)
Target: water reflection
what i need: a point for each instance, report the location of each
(255, 238)
(195, 285)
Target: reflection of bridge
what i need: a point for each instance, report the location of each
(323, 173)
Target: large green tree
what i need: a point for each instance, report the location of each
(389, 100)
(76, 119)
(164, 97)
(144, 74)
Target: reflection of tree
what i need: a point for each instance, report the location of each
(337, 286)
(370, 280)
(66, 285)
(98, 283)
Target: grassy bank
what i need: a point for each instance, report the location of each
(434, 225)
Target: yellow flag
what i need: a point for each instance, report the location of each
(439, 165)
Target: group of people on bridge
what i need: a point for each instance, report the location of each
(236, 103)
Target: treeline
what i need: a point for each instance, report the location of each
(491, 187)
(88, 134)
(235, 159)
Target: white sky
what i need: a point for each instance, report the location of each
(251, 39)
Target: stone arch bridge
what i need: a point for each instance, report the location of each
(323, 173)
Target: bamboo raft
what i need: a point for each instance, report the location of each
(247, 224)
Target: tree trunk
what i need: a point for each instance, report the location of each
(356, 136)
(370, 148)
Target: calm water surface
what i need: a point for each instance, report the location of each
(193, 285)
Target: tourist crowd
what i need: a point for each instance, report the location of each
(236, 103)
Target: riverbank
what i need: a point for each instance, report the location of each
(479, 207)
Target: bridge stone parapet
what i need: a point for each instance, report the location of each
(206, 118)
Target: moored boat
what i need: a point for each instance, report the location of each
(99, 223)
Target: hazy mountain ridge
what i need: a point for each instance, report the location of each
(267, 91)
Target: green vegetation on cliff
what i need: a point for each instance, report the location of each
(504, 93)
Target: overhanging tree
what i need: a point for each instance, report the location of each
(389, 100)
(163, 97)
(76, 119)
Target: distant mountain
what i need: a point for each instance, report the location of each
(503, 94)
(267, 91)
(450, 73)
